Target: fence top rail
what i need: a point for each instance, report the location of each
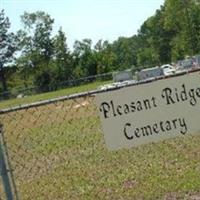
(45, 102)
(88, 93)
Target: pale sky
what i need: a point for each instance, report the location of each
(94, 19)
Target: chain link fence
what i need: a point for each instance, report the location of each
(45, 143)
(55, 149)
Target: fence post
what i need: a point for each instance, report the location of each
(4, 170)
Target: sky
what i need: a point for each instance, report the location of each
(80, 19)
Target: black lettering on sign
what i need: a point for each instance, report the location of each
(112, 109)
(177, 95)
(177, 125)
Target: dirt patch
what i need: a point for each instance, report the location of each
(178, 196)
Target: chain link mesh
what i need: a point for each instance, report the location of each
(46, 144)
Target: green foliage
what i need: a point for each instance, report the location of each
(45, 61)
(181, 17)
(7, 48)
(62, 60)
(84, 56)
(36, 36)
(125, 50)
(105, 57)
(171, 33)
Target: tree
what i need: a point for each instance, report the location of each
(105, 57)
(125, 50)
(182, 17)
(37, 36)
(85, 62)
(62, 57)
(148, 52)
(7, 48)
(37, 45)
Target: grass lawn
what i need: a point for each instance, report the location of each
(50, 95)
(57, 151)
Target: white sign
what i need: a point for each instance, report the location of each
(151, 112)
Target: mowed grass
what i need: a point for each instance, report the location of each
(50, 95)
(58, 151)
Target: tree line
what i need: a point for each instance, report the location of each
(33, 56)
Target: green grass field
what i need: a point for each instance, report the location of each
(57, 151)
(50, 95)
